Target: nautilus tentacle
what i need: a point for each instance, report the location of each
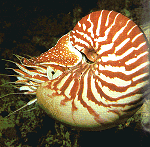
(96, 74)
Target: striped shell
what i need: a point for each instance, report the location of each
(95, 75)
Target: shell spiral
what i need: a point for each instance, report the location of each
(100, 70)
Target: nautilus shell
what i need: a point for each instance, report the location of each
(95, 76)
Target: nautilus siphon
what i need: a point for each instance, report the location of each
(95, 76)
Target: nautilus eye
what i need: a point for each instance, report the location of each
(95, 76)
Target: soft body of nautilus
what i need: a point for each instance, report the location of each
(95, 76)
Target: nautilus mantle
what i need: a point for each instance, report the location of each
(95, 76)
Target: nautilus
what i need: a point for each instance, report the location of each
(94, 77)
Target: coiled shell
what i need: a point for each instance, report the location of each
(103, 70)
